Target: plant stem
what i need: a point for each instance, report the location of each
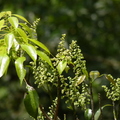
(114, 111)
(118, 111)
(44, 113)
(58, 100)
(100, 106)
(91, 100)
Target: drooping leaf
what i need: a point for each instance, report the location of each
(13, 21)
(9, 41)
(21, 17)
(22, 34)
(61, 66)
(30, 50)
(45, 57)
(80, 79)
(31, 101)
(21, 72)
(88, 114)
(1, 24)
(4, 63)
(98, 112)
(15, 45)
(40, 45)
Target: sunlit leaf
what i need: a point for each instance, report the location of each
(40, 45)
(4, 63)
(21, 17)
(61, 66)
(45, 57)
(31, 101)
(4, 13)
(9, 41)
(1, 24)
(80, 79)
(21, 72)
(13, 21)
(15, 45)
(98, 112)
(22, 34)
(30, 50)
(2, 47)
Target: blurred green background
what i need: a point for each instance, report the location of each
(95, 24)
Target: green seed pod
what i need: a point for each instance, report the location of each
(31, 102)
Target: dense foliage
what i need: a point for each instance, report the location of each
(95, 26)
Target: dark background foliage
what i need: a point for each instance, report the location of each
(95, 24)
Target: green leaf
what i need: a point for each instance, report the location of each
(61, 66)
(13, 21)
(45, 57)
(15, 45)
(9, 38)
(40, 45)
(30, 50)
(22, 34)
(26, 28)
(21, 17)
(88, 114)
(4, 63)
(31, 102)
(80, 79)
(2, 47)
(98, 112)
(21, 72)
(4, 13)
(1, 24)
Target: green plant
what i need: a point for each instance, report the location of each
(66, 72)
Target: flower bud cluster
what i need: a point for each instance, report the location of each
(113, 92)
(72, 91)
(52, 108)
(43, 73)
(75, 94)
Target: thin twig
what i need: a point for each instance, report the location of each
(100, 106)
(44, 113)
(114, 111)
(58, 100)
(91, 100)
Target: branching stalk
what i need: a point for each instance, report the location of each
(44, 113)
